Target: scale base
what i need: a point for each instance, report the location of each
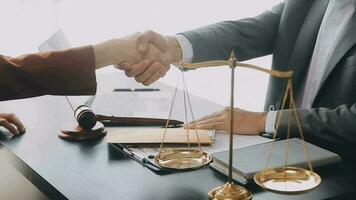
(230, 191)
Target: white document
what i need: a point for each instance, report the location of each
(154, 104)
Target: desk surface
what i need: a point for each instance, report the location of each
(94, 170)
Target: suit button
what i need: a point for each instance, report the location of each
(271, 108)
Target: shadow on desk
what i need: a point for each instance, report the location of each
(338, 180)
(11, 182)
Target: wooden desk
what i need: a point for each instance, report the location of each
(94, 170)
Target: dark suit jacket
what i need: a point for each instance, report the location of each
(289, 32)
(68, 72)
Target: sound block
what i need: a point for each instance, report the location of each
(77, 133)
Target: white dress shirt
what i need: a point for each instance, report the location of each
(333, 26)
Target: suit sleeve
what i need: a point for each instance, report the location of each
(249, 38)
(68, 72)
(331, 128)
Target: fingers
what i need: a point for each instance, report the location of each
(215, 114)
(207, 123)
(152, 79)
(124, 66)
(245, 122)
(155, 71)
(14, 120)
(8, 126)
(139, 68)
(155, 62)
(12, 123)
(209, 120)
(218, 126)
(145, 72)
(151, 37)
(216, 121)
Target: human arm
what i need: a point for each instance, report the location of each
(249, 38)
(333, 129)
(66, 72)
(59, 72)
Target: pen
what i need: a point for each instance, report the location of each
(136, 90)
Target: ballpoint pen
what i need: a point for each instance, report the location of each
(136, 90)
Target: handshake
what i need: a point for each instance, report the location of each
(144, 56)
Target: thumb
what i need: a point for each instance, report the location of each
(166, 58)
(151, 37)
(123, 66)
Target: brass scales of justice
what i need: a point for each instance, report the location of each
(285, 180)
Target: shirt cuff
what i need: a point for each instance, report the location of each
(186, 46)
(270, 122)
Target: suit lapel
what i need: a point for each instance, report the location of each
(305, 43)
(294, 44)
(347, 41)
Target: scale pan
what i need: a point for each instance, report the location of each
(287, 180)
(182, 159)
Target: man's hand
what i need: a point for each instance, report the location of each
(245, 122)
(125, 50)
(12, 123)
(148, 71)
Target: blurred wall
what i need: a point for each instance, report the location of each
(27, 23)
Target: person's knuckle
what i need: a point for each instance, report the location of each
(156, 66)
(146, 63)
(161, 70)
(138, 79)
(161, 65)
(149, 33)
(149, 81)
(119, 66)
(2, 121)
(128, 73)
(152, 69)
(146, 75)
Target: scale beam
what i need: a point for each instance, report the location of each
(219, 63)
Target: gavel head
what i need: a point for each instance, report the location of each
(86, 118)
